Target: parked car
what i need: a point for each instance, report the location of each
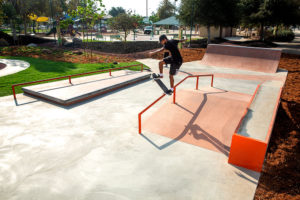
(147, 29)
(103, 29)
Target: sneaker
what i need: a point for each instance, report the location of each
(156, 76)
(169, 92)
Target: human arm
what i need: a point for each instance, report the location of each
(156, 51)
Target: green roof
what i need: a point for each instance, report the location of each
(168, 21)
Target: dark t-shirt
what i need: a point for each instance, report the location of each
(171, 45)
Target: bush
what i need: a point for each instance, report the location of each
(6, 37)
(3, 43)
(282, 36)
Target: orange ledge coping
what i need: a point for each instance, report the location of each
(248, 152)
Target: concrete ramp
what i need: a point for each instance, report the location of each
(245, 58)
(63, 93)
(206, 118)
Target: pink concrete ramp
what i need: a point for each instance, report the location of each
(244, 58)
(206, 118)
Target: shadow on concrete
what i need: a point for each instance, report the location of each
(26, 103)
(253, 174)
(243, 130)
(193, 129)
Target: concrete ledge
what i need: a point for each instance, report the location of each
(63, 93)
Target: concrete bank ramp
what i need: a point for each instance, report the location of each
(207, 117)
(245, 58)
(63, 93)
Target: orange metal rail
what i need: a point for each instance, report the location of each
(197, 83)
(174, 96)
(74, 75)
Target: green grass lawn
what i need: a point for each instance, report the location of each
(8, 31)
(44, 69)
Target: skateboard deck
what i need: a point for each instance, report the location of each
(160, 83)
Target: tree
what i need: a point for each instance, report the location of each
(270, 12)
(166, 9)
(115, 11)
(154, 17)
(137, 20)
(209, 13)
(123, 22)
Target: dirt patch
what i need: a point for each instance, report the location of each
(2, 66)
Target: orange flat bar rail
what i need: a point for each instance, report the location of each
(140, 114)
(194, 76)
(74, 75)
(174, 96)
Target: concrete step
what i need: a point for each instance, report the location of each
(83, 88)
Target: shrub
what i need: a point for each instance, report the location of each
(282, 36)
(3, 43)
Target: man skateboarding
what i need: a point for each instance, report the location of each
(175, 60)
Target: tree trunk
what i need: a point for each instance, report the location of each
(221, 31)
(262, 32)
(208, 34)
(125, 35)
(25, 25)
(59, 33)
(275, 31)
(13, 28)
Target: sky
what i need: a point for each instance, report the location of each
(137, 6)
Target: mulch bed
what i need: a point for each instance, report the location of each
(2, 66)
(280, 178)
(188, 55)
(63, 55)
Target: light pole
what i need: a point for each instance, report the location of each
(146, 8)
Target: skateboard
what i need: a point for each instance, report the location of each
(160, 83)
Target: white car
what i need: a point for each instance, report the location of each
(148, 29)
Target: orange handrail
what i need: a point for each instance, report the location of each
(196, 76)
(174, 96)
(70, 76)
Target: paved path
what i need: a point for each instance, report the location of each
(13, 66)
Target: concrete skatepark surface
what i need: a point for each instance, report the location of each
(91, 150)
(13, 66)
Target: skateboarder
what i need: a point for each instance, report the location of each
(175, 60)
